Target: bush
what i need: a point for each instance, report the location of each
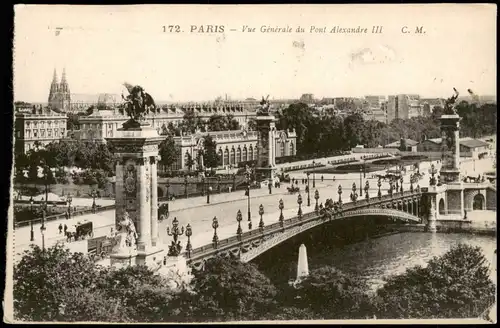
(333, 294)
(455, 285)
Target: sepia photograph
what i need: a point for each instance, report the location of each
(253, 163)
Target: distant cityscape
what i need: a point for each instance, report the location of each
(100, 115)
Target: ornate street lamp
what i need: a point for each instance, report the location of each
(70, 199)
(316, 196)
(390, 187)
(239, 231)
(339, 191)
(209, 191)
(247, 175)
(299, 201)
(361, 181)
(93, 193)
(185, 186)
(308, 193)
(282, 218)
(32, 233)
(379, 184)
(367, 187)
(261, 222)
(189, 233)
(215, 225)
(354, 195)
(168, 187)
(175, 248)
(432, 171)
(42, 229)
(401, 180)
(314, 176)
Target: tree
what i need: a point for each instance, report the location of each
(216, 122)
(228, 289)
(189, 162)
(252, 124)
(42, 277)
(210, 156)
(455, 285)
(231, 123)
(353, 129)
(333, 294)
(167, 151)
(402, 144)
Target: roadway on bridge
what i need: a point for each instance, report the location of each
(196, 212)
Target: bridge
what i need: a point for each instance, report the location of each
(403, 206)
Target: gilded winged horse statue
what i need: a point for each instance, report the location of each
(138, 102)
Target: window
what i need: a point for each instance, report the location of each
(226, 157)
(245, 154)
(220, 157)
(27, 133)
(233, 158)
(291, 149)
(62, 132)
(42, 133)
(238, 155)
(18, 133)
(282, 148)
(49, 132)
(56, 131)
(250, 153)
(35, 133)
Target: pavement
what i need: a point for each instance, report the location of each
(196, 212)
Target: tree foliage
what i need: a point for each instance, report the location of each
(218, 122)
(455, 285)
(333, 294)
(210, 156)
(231, 290)
(168, 151)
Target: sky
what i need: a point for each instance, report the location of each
(101, 47)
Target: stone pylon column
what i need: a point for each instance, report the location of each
(136, 146)
(154, 200)
(433, 212)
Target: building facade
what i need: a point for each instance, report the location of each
(233, 147)
(105, 120)
(469, 147)
(38, 124)
(60, 95)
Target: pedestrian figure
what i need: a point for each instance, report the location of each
(322, 179)
(66, 215)
(65, 229)
(60, 228)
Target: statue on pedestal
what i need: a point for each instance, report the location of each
(264, 106)
(138, 103)
(449, 106)
(125, 236)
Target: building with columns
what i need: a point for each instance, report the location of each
(104, 121)
(233, 147)
(37, 124)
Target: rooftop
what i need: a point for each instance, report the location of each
(467, 142)
(409, 142)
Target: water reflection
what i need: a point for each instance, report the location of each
(376, 259)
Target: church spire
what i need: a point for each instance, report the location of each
(63, 78)
(54, 79)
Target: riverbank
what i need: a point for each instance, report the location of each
(486, 228)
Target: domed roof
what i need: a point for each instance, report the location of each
(106, 100)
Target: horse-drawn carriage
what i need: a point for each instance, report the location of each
(293, 189)
(163, 212)
(80, 231)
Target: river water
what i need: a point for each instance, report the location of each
(377, 258)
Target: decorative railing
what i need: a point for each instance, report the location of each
(63, 215)
(256, 234)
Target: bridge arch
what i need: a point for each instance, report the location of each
(441, 207)
(478, 202)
